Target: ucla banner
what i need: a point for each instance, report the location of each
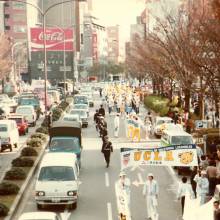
(181, 155)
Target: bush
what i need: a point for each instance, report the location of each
(39, 135)
(63, 105)
(56, 113)
(15, 174)
(42, 129)
(3, 210)
(34, 142)
(7, 188)
(22, 162)
(28, 151)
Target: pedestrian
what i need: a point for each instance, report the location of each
(192, 181)
(148, 127)
(116, 125)
(107, 149)
(96, 119)
(49, 120)
(100, 92)
(150, 192)
(102, 111)
(216, 210)
(137, 129)
(202, 186)
(184, 190)
(212, 174)
(130, 126)
(124, 184)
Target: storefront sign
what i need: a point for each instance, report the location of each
(182, 155)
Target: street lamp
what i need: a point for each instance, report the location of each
(43, 14)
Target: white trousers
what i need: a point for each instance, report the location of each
(116, 131)
(152, 207)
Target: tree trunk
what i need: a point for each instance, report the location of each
(187, 99)
(171, 90)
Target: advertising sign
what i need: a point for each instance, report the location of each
(94, 46)
(54, 39)
(180, 155)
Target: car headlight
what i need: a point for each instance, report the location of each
(72, 193)
(40, 193)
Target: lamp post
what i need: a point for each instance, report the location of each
(43, 14)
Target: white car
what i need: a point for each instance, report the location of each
(57, 180)
(39, 216)
(69, 117)
(9, 134)
(29, 112)
(84, 107)
(82, 114)
(159, 125)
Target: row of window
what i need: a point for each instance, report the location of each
(17, 17)
(15, 5)
(17, 28)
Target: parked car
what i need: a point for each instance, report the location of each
(9, 134)
(57, 180)
(82, 114)
(40, 216)
(81, 107)
(29, 112)
(21, 122)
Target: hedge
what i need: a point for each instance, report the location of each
(22, 162)
(28, 151)
(7, 188)
(15, 174)
(39, 135)
(34, 142)
(157, 103)
(3, 210)
(43, 130)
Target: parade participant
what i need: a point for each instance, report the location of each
(184, 190)
(202, 186)
(130, 126)
(216, 210)
(106, 150)
(102, 111)
(96, 118)
(137, 129)
(116, 125)
(150, 192)
(148, 126)
(124, 184)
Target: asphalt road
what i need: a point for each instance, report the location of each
(97, 199)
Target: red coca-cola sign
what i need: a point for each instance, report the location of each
(56, 39)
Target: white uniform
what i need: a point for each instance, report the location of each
(150, 191)
(116, 125)
(202, 187)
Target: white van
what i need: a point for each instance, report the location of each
(57, 180)
(9, 134)
(177, 137)
(29, 112)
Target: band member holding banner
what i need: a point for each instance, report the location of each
(107, 149)
(150, 192)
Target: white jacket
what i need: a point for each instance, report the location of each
(202, 186)
(151, 188)
(185, 189)
(116, 122)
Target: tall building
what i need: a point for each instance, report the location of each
(113, 43)
(2, 26)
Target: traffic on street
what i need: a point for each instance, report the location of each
(109, 110)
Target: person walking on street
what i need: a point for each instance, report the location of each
(150, 192)
(96, 119)
(116, 125)
(202, 186)
(102, 111)
(148, 126)
(107, 149)
(124, 184)
(211, 171)
(137, 129)
(184, 190)
(216, 210)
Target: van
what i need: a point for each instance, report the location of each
(9, 134)
(177, 137)
(29, 112)
(57, 180)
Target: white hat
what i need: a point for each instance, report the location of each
(122, 173)
(203, 172)
(150, 174)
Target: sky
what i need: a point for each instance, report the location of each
(121, 12)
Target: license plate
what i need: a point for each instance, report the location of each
(55, 200)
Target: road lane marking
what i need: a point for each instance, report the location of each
(107, 180)
(109, 207)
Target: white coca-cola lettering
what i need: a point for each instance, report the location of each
(55, 36)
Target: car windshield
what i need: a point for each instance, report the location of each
(80, 113)
(56, 173)
(160, 122)
(28, 102)
(65, 144)
(81, 99)
(24, 111)
(178, 140)
(80, 107)
(3, 128)
(71, 119)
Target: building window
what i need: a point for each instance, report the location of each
(19, 18)
(7, 16)
(7, 4)
(7, 28)
(20, 29)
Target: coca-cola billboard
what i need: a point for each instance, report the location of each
(54, 39)
(94, 46)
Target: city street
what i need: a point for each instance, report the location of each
(97, 199)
